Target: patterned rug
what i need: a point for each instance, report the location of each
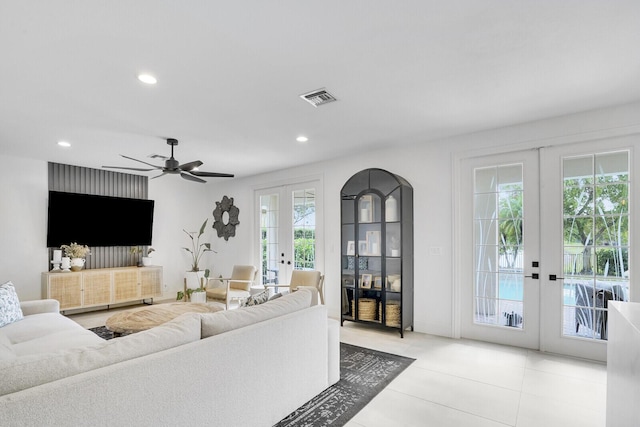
(363, 374)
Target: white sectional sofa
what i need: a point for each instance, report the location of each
(245, 367)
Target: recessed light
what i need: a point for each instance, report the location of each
(64, 144)
(147, 78)
(302, 138)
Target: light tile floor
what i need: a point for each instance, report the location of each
(461, 383)
(464, 383)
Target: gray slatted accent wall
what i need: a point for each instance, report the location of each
(77, 179)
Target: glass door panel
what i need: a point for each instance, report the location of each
(596, 247)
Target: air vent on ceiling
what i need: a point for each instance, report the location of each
(318, 97)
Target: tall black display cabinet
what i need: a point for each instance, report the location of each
(377, 250)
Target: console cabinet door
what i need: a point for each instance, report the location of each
(151, 282)
(126, 285)
(66, 288)
(96, 287)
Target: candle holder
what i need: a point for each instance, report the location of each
(56, 265)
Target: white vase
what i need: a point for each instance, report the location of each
(77, 264)
(198, 297)
(146, 261)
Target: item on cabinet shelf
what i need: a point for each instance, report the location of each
(77, 264)
(392, 313)
(363, 263)
(393, 282)
(365, 281)
(351, 247)
(366, 209)
(373, 243)
(377, 282)
(394, 245)
(146, 260)
(391, 209)
(65, 264)
(366, 309)
(75, 250)
(362, 247)
(57, 260)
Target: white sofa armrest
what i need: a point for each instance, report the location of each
(40, 306)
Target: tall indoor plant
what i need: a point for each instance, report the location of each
(196, 250)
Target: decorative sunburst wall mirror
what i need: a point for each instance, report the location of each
(225, 217)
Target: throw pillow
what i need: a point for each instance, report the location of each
(10, 310)
(276, 296)
(259, 298)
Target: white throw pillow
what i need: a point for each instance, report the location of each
(10, 310)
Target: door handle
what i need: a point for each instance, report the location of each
(553, 277)
(535, 276)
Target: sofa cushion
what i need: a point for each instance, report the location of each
(41, 326)
(6, 349)
(29, 371)
(10, 310)
(223, 321)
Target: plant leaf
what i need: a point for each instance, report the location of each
(204, 225)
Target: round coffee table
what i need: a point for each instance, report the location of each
(143, 318)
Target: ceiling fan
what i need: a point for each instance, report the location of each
(171, 166)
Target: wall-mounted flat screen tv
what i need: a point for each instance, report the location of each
(98, 220)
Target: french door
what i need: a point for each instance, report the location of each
(500, 249)
(546, 243)
(590, 256)
(290, 230)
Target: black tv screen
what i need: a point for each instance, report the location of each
(98, 220)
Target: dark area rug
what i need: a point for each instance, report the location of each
(363, 374)
(103, 332)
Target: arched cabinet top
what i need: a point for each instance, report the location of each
(376, 179)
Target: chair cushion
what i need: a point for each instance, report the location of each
(245, 273)
(10, 310)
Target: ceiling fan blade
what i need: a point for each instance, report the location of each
(158, 176)
(190, 177)
(212, 174)
(136, 160)
(129, 169)
(188, 166)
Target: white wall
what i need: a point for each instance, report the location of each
(181, 204)
(429, 169)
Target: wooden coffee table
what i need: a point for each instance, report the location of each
(143, 318)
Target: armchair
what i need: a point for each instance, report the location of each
(299, 278)
(237, 287)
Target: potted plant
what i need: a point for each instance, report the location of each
(77, 254)
(198, 294)
(146, 260)
(196, 251)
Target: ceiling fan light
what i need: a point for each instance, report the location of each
(147, 78)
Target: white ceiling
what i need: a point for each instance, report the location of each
(230, 74)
